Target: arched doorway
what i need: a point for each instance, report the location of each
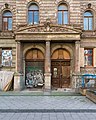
(34, 68)
(60, 61)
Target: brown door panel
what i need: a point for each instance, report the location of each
(60, 74)
(55, 83)
(55, 75)
(65, 82)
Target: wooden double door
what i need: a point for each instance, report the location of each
(60, 74)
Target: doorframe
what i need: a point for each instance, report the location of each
(60, 60)
(34, 60)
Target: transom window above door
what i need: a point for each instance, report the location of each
(88, 20)
(7, 20)
(33, 14)
(63, 14)
(61, 54)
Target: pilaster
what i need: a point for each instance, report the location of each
(77, 57)
(18, 76)
(18, 57)
(47, 66)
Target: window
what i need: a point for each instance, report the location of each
(62, 14)
(7, 57)
(33, 14)
(88, 20)
(88, 57)
(7, 20)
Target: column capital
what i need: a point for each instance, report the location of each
(77, 42)
(18, 42)
(47, 40)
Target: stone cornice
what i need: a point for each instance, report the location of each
(7, 34)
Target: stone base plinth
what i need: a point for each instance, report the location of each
(47, 81)
(76, 81)
(18, 82)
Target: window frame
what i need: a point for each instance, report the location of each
(88, 55)
(7, 17)
(88, 17)
(63, 11)
(33, 11)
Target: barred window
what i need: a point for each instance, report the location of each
(6, 57)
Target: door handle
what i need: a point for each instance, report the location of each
(60, 74)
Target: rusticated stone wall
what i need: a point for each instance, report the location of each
(47, 9)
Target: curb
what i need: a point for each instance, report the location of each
(47, 110)
(39, 94)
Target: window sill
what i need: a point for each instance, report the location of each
(33, 24)
(7, 31)
(88, 30)
(89, 66)
(1, 66)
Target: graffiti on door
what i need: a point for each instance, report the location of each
(34, 78)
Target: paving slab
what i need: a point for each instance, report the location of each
(46, 104)
(50, 116)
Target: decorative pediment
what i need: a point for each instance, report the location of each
(47, 28)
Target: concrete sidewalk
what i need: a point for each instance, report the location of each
(46, 107)
(46, 104)
(48, 116)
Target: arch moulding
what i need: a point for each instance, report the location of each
(32, 47)
(68, 48)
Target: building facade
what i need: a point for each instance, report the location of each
(48, 43)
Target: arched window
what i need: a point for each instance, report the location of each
(7, 20)
(88, 20)
(62, 14)
(33, 14)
